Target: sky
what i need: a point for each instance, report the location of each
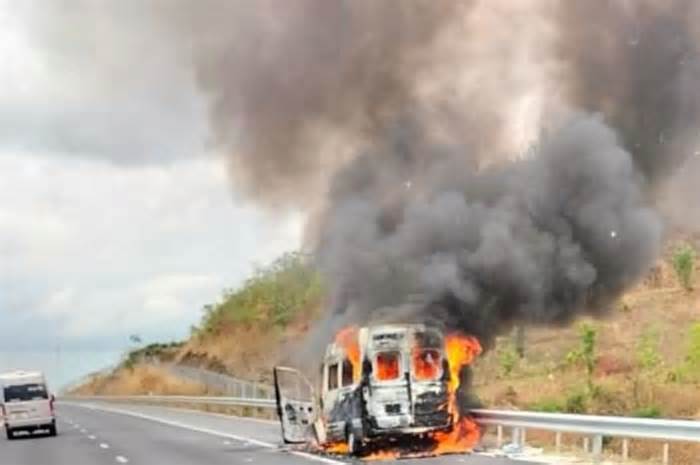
(116, 215)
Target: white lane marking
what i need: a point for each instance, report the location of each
(92, 437)
(212, 432)
(227, 443)
(220, 415)
(104, 445)
(84, 431)
(121, 459)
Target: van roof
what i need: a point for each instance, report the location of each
(21, 376)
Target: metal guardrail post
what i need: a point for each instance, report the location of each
(597, 449)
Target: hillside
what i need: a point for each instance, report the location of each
(644, 358)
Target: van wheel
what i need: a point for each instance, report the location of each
(10, 434)
(354, 443)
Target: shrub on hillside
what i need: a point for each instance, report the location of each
(684, 264)
(507, 359)
(651, 411)
(586, 353)
(689, 370)
(693, 357)
(547, 406)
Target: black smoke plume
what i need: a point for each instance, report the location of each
(540, 240)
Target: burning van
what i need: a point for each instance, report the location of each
(377, 385)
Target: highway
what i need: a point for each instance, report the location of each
(112, 434)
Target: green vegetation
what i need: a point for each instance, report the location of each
(274, 295)
(651, 411)
(648, 362)
(683, 264)
(547, 406)
(648, 357)
(689, 370)
(586, 354)
(157, 350)
(575, 402)
(508, 359)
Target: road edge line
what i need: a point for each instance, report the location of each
(211, 432)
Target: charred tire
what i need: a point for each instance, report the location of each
(354, 442)
(9, 433)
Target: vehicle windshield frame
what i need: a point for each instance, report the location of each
(12, 393)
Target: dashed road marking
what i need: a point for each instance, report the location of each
(212, 432)
(121, 459)
(84, 431)
(92, 437)
(104, 445)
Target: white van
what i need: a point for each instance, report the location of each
(395, 389)
(27, 404)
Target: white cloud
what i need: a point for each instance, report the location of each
(94, 250)
(112, 220)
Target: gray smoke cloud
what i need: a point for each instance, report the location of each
(402, 126)
(637, 62)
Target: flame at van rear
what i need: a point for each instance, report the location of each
(460, 351)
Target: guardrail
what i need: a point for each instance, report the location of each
(593, 427)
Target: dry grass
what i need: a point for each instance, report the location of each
(141, 380)
(246, 351)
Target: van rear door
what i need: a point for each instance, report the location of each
(25, 402)
(296, 405)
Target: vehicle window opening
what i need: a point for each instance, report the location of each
(25, 392)
(348, 373)
(333, 377)
(387, 366)
(427, 364)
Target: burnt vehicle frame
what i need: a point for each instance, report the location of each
(397, 388)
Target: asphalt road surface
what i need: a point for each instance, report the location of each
(113, 434)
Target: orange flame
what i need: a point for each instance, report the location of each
(339, 448)
(388, 366)
(347, 338)
(460, 351)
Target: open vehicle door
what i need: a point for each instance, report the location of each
(296, 405)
